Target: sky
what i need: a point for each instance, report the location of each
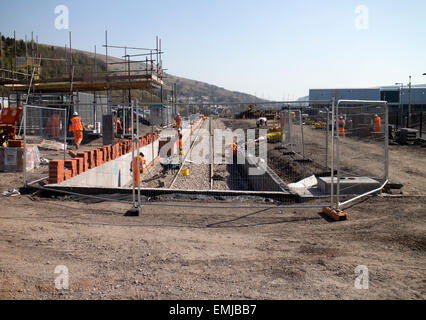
(275, 49)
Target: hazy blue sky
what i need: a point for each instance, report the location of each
(276, 49)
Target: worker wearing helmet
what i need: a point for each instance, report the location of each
(341, 124)
(77, 128)
(377, 124)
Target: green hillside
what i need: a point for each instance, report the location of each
(84, 64)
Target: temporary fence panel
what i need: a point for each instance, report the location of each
(361, 148)
(227, 155)
(44, 135)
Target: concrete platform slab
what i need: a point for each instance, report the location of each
(349, 185)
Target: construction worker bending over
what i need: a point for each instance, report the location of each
(77, 128)
(137, 166)
(118, 128)
(341, 124)
(377, 124)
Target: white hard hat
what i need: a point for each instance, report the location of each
(376, 115)
(76, 113)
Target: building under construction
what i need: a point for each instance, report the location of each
(93, 90)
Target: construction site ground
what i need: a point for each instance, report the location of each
(174, 252)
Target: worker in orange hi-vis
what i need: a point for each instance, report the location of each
(377, 124)
(341, 124)
(56, 123)
(77, 128)
(234, 152)
(180, 136)
(118, 127)
(138, 165)
(178, 120)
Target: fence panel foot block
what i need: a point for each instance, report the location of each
(335, 214)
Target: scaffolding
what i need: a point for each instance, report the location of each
(137, 69)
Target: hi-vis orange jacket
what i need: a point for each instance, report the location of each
(377, 123)
(76, 124)
(139, 161)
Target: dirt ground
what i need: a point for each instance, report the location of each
(173, 252)
(407, 164)
(190, 253)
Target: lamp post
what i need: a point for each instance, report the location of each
(421, 119)
(401, 106)
(409, 104)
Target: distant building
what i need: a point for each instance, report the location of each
(398, 112)
(416, 96)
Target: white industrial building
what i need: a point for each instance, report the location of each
(400, 100)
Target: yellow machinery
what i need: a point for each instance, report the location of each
(274, 134)
(320, 125)
(274, 137)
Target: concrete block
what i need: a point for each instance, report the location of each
(348, 185)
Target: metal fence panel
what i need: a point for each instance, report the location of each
(361, 147)
(44, 135)
(228, 155)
